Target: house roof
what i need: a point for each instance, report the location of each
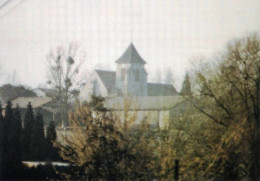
(49, 92)
(22, 102)
(131, 56)
(107, 77)
(144, 102)
(156, 89)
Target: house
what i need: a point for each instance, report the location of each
(44, 92)
(45, 105)
(10, 92)
(128, 85)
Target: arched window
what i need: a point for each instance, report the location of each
(137, 75)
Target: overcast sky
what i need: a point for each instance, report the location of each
(167, 33)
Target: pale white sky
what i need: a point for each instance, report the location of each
(167, 33)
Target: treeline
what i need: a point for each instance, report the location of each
(214, 135)
(24, 140)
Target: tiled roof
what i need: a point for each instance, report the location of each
(107, 77)
(156, 89)
(131, 56)
(144, 102)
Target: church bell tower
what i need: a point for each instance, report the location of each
(131, 76)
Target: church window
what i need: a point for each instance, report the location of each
(122, 74)
(137, 76)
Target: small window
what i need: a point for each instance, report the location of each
(137, 76)
(122, 74)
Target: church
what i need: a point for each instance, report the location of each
(128, 85)
(129, 79)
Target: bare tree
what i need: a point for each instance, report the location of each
(63, 67)
(168, 77)
(157, 77)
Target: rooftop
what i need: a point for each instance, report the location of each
(131, 56)
(107, 77)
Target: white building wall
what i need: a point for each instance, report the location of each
(94, 86)
(154, 117)
(39, 93)
(129, 86)
(137, 88)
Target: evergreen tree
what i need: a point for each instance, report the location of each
(52, 153)
(27, 133)
(1, 140)
(186, 87)
(51, 132)
(15, 137)
(6, 144)
(38, 139)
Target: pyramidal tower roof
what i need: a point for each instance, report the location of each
(131, 56)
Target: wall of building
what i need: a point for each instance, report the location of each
(39, 93)
(94, 86)
(154, 117)
(129, 86)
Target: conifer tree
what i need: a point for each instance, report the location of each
(8, 120)
(15, 137)
(1, 140)
(27, 133)
(6, 127)
(52, 153)
(51, 132)
(186, 87)
(37, 138)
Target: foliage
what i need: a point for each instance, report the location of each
(230, 100)
(15, 137)
(38, 148)
(10, 141)
(7, 132)
(1, 139)
(11, 144)
(51, 132)
(27, 132)
(95, 144)
(52, 152)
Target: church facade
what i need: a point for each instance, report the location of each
(129, 79)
